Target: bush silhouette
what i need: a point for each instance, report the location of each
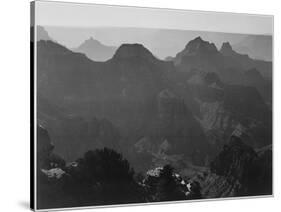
(102, 176)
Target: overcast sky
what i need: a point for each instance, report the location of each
(92, 15)
(165, 32)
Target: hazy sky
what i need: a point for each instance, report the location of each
(163, 31)
(93, 15)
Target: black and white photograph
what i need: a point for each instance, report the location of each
(139, 105)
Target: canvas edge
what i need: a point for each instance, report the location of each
(32, 140)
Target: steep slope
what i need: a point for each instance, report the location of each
(95, 50)
(226, 108)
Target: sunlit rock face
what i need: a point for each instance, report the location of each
(56, 173)
(163, 184)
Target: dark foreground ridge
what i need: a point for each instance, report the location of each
(104, 177)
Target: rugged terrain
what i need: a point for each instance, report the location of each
(206, 113)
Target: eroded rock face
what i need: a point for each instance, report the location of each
(243, 168)
(214, 186)
(179, 127)
(224, 109)
(238, 170)
(176, 137)
(235, 161)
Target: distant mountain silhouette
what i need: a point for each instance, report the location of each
(199, 54)
(129, 51)
(42, 34)
(226, 50)
(246, 62)
(256, 73)
(258, 46)
(202, 56)
(95, 50)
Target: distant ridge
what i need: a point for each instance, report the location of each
(95, 50)
(226, 49)
(256, 46)
(202, 55)
(264, 67)
(127, 51)
(42, 34)
(199, 46)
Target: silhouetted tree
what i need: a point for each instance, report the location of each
(106, 165)
(102, 176)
